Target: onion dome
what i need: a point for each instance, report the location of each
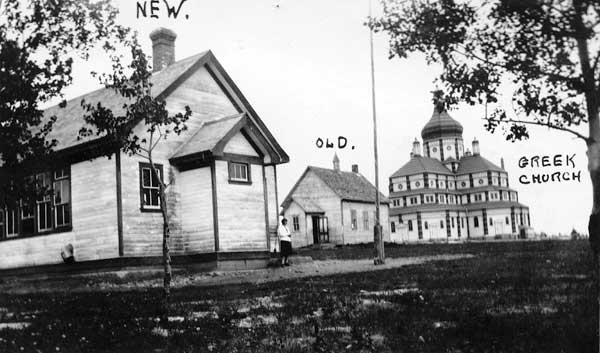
(441, 124)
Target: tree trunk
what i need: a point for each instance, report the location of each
(594, 222)
(165, 246)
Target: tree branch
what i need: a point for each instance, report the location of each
(548, 125)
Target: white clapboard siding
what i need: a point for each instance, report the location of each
(241, 211)
(238, 144)
(313, 188)
(197, 211)
(94, 215)
(272, 206)
(360, 234)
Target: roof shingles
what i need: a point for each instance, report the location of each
(348, 185)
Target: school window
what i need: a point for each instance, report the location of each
(62, 198)
(365, 220)
(239, 172)
(44, 202)
(2, 228)
(475, 222)
(353, 220)
(43, 212)
(150, 186)
(12, 223)
(296, 223)
(410, 226)
(393, 227)
(441, 224)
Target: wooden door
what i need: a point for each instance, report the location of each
(320, 229)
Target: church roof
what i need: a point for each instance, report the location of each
(420, 164)
(476, 163)
(441, 124)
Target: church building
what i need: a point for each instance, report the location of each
(446, 193)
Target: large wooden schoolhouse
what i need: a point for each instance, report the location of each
(222, 196)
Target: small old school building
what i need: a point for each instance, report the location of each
(447, 193)
(222, 196)
(330, 206)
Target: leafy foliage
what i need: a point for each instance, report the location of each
(532, 46)
(39, 41)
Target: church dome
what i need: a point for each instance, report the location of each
(440, 125)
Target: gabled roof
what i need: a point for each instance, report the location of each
(420, 164)
(308, 205)
(349, 186)
(208, 136)
(476, 163)
(70, 119)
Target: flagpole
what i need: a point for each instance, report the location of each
(378, 234)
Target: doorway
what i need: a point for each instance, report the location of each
(320, 227)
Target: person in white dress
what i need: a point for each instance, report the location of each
(285, 242)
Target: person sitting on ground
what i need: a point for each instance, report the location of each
(285, 242)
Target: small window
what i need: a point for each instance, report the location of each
(410, 226)
(296, 223)
(491, 222)
(150, 186)
(506, 220)
(521, 218)
(353, 220)
(12, 223)
(426, 225)
(239, 172)
(452, 220)
(441, 223)
(62, 198)
(393, 227)
(475, 222)
(462, 222)
(365, 220)
(2, 227)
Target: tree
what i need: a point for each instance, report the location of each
(548, 50)
(38, 42)
(118, 130)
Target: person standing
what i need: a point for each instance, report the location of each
(285, 242)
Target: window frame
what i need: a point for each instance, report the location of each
(142, 166)
(17, 212)
(296, 223)
(230, 171)
(353, 220)
(366, 220)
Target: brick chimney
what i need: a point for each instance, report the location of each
(163, 48)
(355, 168)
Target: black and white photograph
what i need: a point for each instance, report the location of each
(299, 176)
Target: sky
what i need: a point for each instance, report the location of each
(305, 68)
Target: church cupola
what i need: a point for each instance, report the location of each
(475, 147)
(416, 151)
(441, 123)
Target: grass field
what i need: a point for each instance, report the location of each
(510, 297)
